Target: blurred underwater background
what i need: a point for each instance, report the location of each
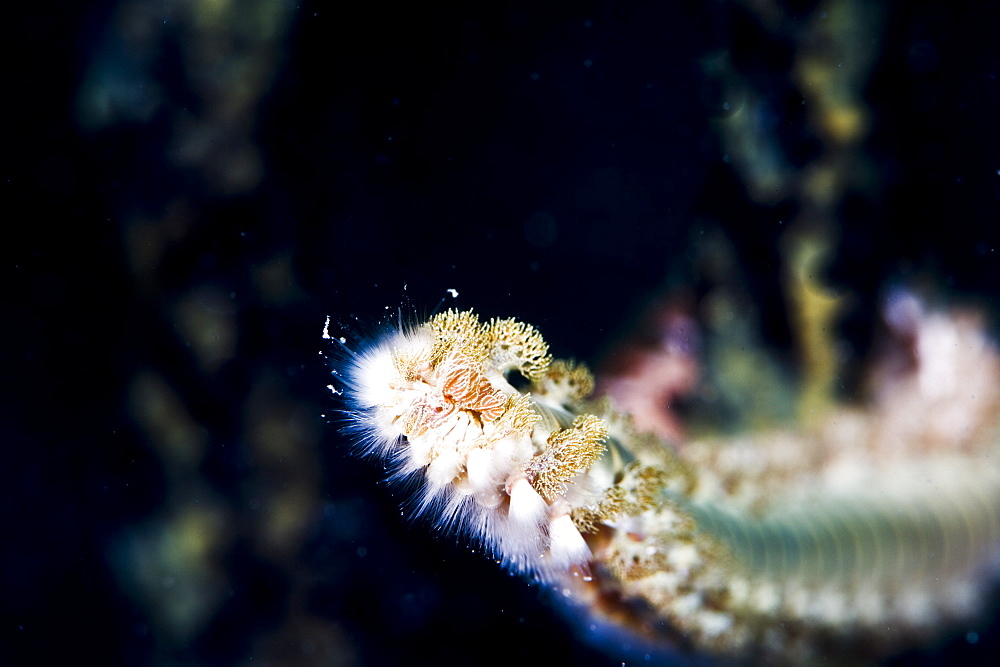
(190, 187)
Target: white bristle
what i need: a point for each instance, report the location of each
(567, 546)
(418, 453)
(482, 479)
(375, 375)
(444, 468)
(527, 508)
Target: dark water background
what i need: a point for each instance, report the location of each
(189, 189)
